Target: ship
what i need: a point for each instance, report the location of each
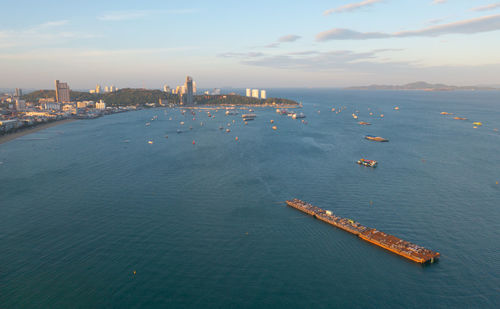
(247, 117)
(364, 123)
(389, 242)
(369, 163)
(376, 138)
(299, 115)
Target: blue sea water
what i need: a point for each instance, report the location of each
(86, 204)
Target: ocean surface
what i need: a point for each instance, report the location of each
(93, 216)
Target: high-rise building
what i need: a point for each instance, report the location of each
(249, 92)
(166, 88)
(19, 92)
(20, 105)
(194, 87)
(62, 92)
(98, 88)
(263, 94)
(189, 91)
(255, 93)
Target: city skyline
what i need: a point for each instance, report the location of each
(320, 44)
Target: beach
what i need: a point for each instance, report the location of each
(11, 136)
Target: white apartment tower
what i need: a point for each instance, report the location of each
(263, 94)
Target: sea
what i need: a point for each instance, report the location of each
(115, 213)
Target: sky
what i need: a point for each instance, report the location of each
(224, 43)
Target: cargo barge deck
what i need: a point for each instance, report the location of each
(392, 243)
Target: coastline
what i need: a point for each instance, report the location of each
(11, 136)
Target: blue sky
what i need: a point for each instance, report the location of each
(249, 44)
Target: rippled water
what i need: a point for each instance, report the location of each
(85, 204)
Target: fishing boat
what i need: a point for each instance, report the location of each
(369, 163)
(376, 138)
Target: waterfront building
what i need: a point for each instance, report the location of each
(62, 92)
(47, 105)
(166, 88)
(255, 93)
(249, 92)
(106, 89)
(263, 94)
(100, 105)
(98, 88)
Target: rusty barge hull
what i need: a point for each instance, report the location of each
(389, 242)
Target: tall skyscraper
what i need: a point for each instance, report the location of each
(249, 92)
(98, 88)
(62, 92)
(255, 93)
(263, 94)
(166, 88)
(188, 97)
(19, 92)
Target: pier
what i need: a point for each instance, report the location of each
(389, 242)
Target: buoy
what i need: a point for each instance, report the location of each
(150, 142)
(497, 182)
(135, 272)
(236, 138)
(166, 136)
(193, 142)
(371, 203)
(272, 121)
(381, 115)
(396, 108)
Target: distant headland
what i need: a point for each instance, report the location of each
(423, 86)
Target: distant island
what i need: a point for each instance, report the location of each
(422, 86)
(140, 97)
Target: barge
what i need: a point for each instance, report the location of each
(389, 242)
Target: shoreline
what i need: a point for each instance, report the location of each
(11, 136)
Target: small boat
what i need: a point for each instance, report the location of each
(376, 138)
(227, 130)
(247, 117)
(179, 131)
(477, 123)
(396, 108)
(148, 124)
(354, 116)
(459, 118)
(298, 116)
(150, 142)
(275, 128)
(363, 123)
(446, 113)
(369, 163)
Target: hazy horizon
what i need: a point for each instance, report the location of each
(325, 44)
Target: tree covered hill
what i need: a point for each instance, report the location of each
(129, 96)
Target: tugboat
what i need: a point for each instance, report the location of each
(369, 163)
(376, 138)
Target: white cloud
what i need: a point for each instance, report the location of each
(138, 14)
(438, 1)
(289, 38)
(470, 26)
(72, 53)
(487, 7)
(350, 7)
